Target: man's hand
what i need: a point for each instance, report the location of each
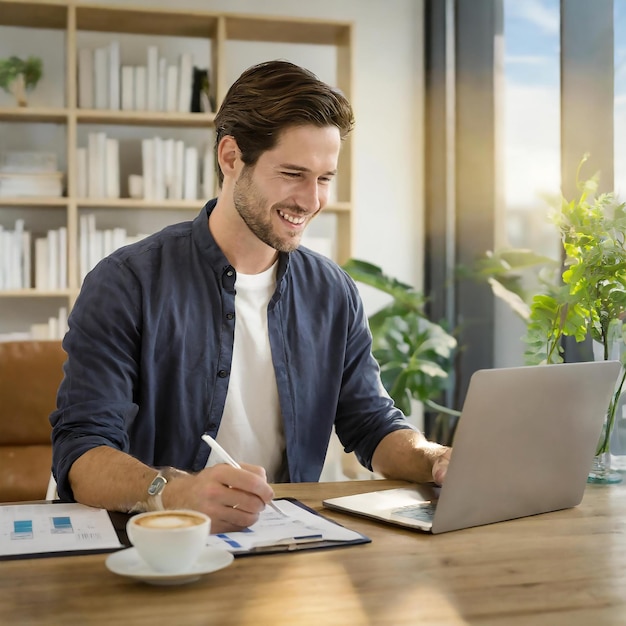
(408, 455)
(440, 465)
(233, 498)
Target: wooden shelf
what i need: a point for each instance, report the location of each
(41, 14)
(33, 201)
(35, 293)
(140, 204)
(145, 118)
(33, 114)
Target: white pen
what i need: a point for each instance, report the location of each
(229, 459)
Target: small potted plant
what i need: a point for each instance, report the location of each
(17, 76)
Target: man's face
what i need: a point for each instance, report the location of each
(289, 185)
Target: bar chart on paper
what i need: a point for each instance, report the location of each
(41, 528)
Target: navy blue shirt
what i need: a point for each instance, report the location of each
(150, 345)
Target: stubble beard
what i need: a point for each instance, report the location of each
(250, 204)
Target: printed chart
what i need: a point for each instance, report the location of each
(47, 527)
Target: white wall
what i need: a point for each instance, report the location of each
(388, 138)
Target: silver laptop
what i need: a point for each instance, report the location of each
(524, 445)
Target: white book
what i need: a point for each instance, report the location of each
(152, 76)
(162, 84)
(93, 167)
(83, 246)
(39, 331)
(62, 322)
(179, 168)
(112, 168)
(190, 189)
(53, 259)
(101, 140)
(53, 328)
(107, 242)
(101, 78)
(119, 237)
(114, 75)
(171, 89)
(141, 87)
(82, 168)
(92, 248)
(26, 260)
(62, 258)
(158, 180)
(185, 82)
(128, 88)
(168, 166)
(147, 159)
(208, 173)
(16, 254)
(41, 263)
(95, 247)
(85, 78)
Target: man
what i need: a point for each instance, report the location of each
(225, 326)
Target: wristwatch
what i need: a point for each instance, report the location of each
(155, 499)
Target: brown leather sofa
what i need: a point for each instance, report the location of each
(30, 374)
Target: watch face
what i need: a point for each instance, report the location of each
(156, 486)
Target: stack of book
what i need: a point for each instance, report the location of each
(98, 167)
(94, 244)
(51, 260)
(15, 257)
(31, 174)
(49, 263)
(171, 170)
(160, 85)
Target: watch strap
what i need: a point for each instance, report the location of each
(154, 494)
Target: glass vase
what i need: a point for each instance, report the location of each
(602, 471)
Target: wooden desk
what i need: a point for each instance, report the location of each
(562, 568)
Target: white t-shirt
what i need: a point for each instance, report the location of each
(251, 429)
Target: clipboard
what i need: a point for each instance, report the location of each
(296, 546)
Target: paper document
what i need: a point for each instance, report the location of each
(298, 526)
(51, 527)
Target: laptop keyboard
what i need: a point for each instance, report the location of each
(423, 511)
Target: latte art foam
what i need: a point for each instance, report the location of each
(165, 521)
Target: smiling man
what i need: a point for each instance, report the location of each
(226, 326)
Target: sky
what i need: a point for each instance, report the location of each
(531, 106)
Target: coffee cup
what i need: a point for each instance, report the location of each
(169, 541)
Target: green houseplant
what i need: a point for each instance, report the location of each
(588, 299)
(17, 76)
(416, 355)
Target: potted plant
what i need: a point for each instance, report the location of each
(17, 76)
(587, 301)
(416, 355)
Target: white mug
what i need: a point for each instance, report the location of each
(169, 541)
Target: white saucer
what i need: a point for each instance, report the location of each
(129, 563)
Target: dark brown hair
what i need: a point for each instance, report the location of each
(272, 96)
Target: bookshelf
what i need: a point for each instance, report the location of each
(229, 42)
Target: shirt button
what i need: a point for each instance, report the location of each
(229, 273)
(229, 316)
(222, 373)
